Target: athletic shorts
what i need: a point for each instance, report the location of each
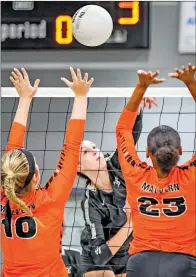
(161, 264)
(117, 264)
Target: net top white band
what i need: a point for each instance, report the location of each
(102, 92)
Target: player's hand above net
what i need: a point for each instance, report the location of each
(186, 75)
(149, 102)
(145, 80)
(79, 85)
(22, 84)
(148, 78)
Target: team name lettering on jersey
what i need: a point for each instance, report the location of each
(153, 189)
(18, 211)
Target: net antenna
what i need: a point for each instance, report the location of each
(103, 92)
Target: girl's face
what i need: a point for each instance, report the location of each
(91, 159)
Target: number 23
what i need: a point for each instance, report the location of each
(146, 202)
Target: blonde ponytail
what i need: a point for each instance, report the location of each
(9, 189)
(14, 171)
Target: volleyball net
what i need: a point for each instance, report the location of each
(51, 109)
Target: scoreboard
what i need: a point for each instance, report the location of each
(48, 25)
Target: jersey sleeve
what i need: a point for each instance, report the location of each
(16, 137)
(190, 167)
(100, 251)
(191, 162)
(59, 186)
(137, 129)
(125, 141)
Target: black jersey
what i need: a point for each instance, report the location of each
(71, 258)
(104, 213)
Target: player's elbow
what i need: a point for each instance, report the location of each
(101, 254)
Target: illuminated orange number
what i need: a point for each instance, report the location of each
(134, 18)
(59, 32)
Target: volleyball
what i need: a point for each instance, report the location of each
(92, 25)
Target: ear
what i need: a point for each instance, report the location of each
(147, 153)
(180, 151)
(35, 178)
(33, 182)
(79, 168)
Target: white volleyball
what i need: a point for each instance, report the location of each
(92, 25)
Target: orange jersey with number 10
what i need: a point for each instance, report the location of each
(30, 250)
(163, 210)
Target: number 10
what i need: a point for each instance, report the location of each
(19, 224)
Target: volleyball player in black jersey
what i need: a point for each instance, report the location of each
(107, 233)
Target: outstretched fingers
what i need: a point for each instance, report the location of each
(14, 76)
(173, 75)
(90, 82)
(12, 80)
(79, 75)
(86, 77)
(18, 73)
(184, 73)
(155, 74)
(191, 68)
(36, 84)
(25, 74)
(158, 80)
(73, 74)
(67, 82)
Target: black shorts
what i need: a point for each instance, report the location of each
(161, 264)
(117, 264)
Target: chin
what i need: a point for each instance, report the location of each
(102, 165)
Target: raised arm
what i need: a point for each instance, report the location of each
(186, 75)
(60, 184)
(126, 147)
(137, 128)
(26, 92)
(136, 134)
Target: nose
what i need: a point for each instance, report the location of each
(94, 153)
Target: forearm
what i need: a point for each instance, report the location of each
(137, 129)
(136, 98)
(22, 111)
(79, 108)
(103, 251)
(192, 88)
(117, 241)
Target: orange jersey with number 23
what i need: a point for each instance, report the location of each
(163, 210)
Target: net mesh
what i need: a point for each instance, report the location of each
(46, 128)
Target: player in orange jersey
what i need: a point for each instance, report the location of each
(163, 197)
(32, 217)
